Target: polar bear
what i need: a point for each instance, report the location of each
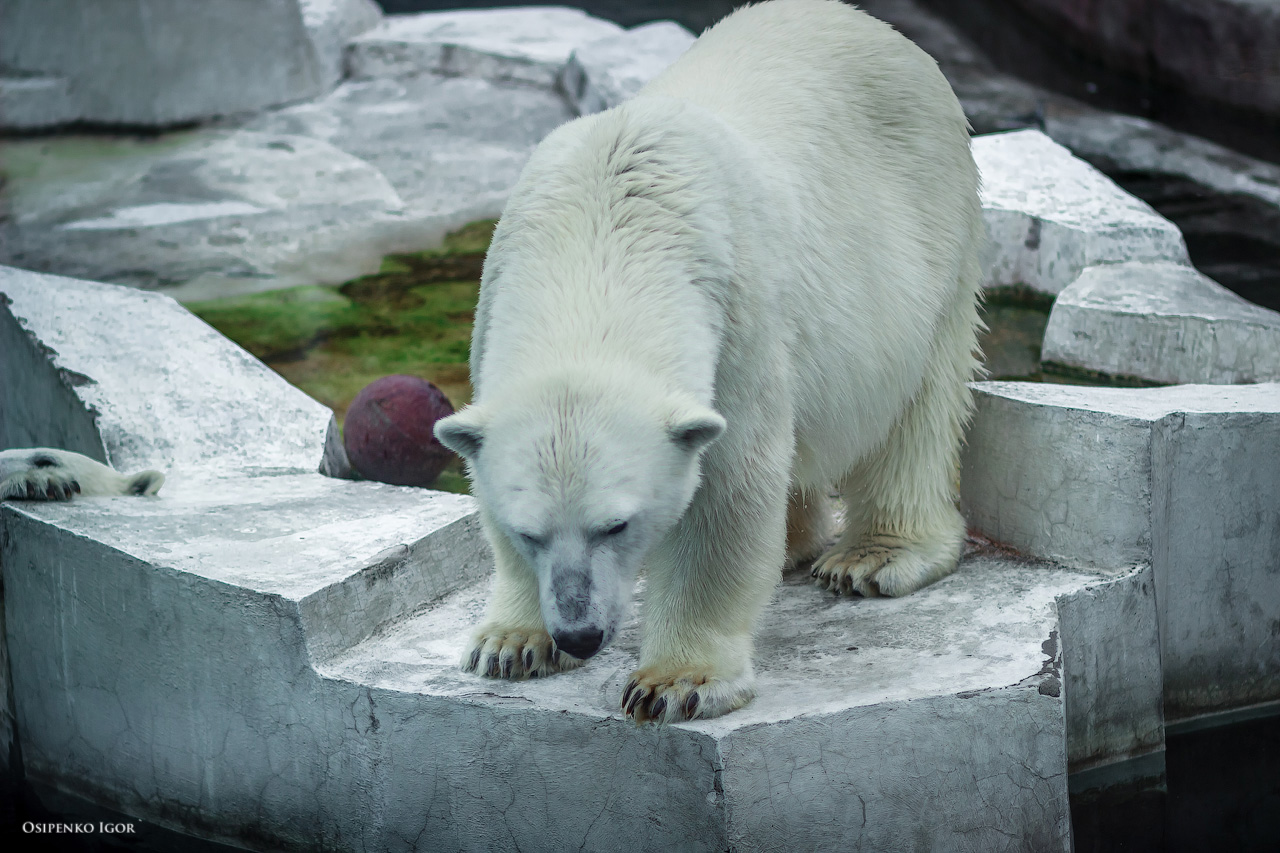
(44, 473)
(702, 310)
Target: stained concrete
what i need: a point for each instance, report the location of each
(1162, 322)
(1184, 479)
(1050, 215)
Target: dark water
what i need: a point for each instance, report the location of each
(1220, 794)
(1233, 238)
(1020, 45)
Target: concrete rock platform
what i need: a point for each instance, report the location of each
(215, 655)
(1162, 322)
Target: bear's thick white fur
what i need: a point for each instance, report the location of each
(44, 473)
(702, 310)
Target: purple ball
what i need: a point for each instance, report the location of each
(388, 433)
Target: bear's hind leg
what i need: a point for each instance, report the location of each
(513, 641)
(809, 526)
(903, 529)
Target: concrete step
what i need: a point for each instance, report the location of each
(219, 668)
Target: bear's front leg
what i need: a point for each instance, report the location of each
(513, 642)
(708, 583)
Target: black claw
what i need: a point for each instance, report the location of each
(656, 709)
(528, 659)
(626, 692)
(31, 491)
(691, 704)
(631, 703)
(506, 666)
(491, 666)
(533, 673)
(555, 657)
(474, 663)
(75, 486)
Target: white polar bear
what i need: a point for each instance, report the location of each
(44, 473)
(703, 309)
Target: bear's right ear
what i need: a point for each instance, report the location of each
(462, 433)
(694, 430)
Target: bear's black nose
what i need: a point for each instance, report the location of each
(580, 644)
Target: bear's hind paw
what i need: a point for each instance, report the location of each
(676, 695)
(884, 565)
(515, 654)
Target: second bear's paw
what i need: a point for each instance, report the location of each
(40, 484)
(515, 653)
(884, 565)
(673, 695)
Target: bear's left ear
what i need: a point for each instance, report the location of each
(694, 430)
(462, 433)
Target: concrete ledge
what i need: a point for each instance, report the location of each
(1186, 479)
(141, 382)
(1050, 215)
(954, 695)
(1162, 322)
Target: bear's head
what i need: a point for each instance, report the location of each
(583, 480)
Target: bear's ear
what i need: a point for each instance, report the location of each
(694, 430)
(462, 433)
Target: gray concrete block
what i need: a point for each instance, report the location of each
(160, 63)
(524, 45)
(31, 103)
(1109, 631)
(604, 73)
(1218, 555)
(1183, 479)
(1162, 322)
(138, 381)
(1050, 215)
(954, 695)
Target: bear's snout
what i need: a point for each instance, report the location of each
(581, 644)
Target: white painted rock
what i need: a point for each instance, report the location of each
(136, 380)
(213, 211)
(605, 73)
(1163, 322)
(136, 63)
(1050, 215)
(523, 45)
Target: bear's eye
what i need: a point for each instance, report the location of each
(616, 529)
(530, 539)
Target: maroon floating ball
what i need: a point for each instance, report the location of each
(388, 432)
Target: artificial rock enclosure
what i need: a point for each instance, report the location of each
(265, 654)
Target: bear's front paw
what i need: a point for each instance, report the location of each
(673, 695)
(884, 565)
(515, 653)
(40, 484)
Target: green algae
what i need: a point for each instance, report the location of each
(413, 316)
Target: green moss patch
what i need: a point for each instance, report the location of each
(414, 316)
